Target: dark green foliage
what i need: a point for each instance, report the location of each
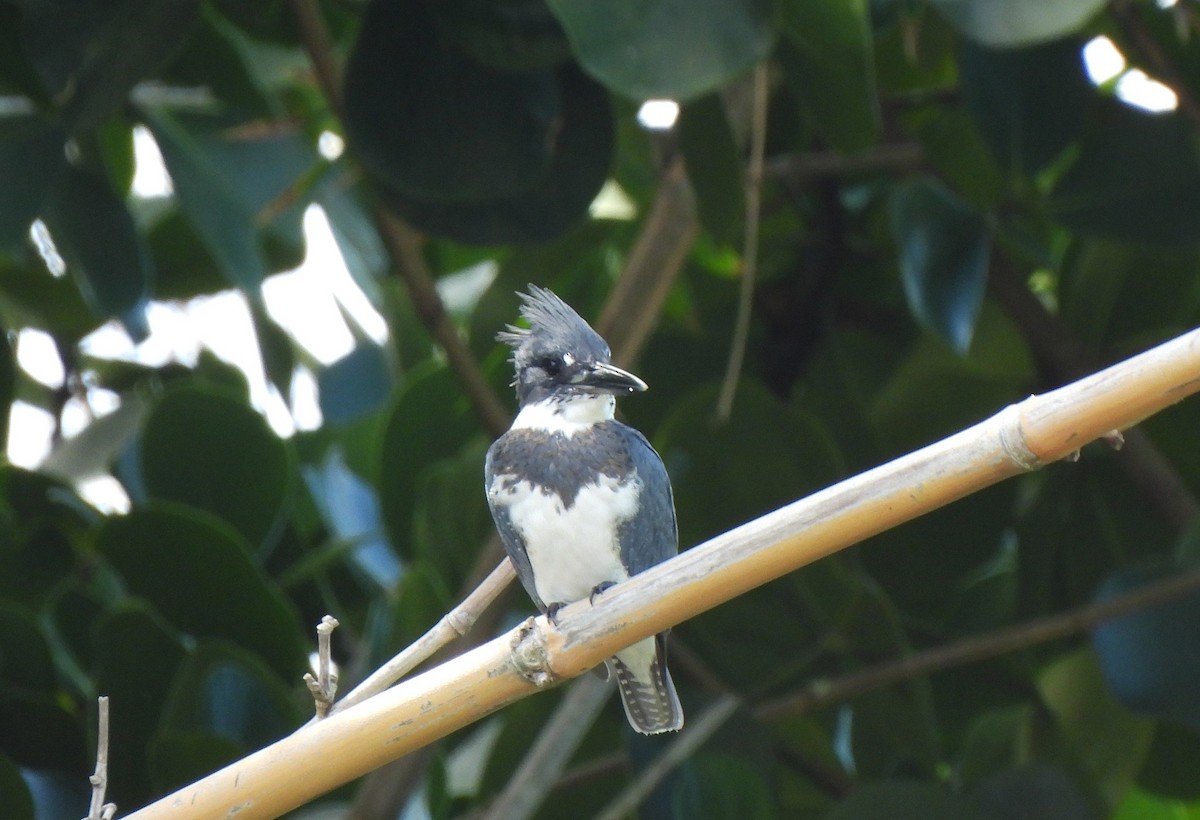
(953, 216)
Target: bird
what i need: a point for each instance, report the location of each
(582, 501)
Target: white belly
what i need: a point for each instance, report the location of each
(571, 551)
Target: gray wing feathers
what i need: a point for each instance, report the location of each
(651, 536)
(652, 705)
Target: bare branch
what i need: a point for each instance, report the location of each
(454, 624)
(324, 686)
(98, 809)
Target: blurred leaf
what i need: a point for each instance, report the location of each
(832, 69)
(1109, 742)
(95, 235)
(180, 758)
(225, 691)
(435, 125)
(8, 381)
(903, 800)
(232, 179)
(450, 518)
(1139, 805)
(1137, 178)
(92, 451)
(350, 509)
(766, 455)
(1029, 103)
(183, 562)
(719, 786)
(41, 521)
(581, 153)
(514, 35)
(429, 420)
(137, 656)
(1031, 792)
(202, 448)
(31, 158)
(137, 38)
(1170, 768)
(1018, 22)
(714, 165)
(356, 384)
(25, 663)
(211, 58)
(1151, 658)
(674, 49)
(944, 247)
(954, 146)
(18, 802)
(38, 731)
(32, 297)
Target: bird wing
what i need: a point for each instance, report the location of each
(652, 535)
(514, 544)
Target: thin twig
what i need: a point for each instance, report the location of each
(681, 748)
(979, 647)
(454, 624)
(801, 168)
(323, 687)
(754, 178)
(555, 746)
(98, 809)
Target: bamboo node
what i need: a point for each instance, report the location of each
(1013, 441)
(530, 656)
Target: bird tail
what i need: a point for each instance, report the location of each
(650, 700)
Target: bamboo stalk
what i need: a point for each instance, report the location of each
(1022, 437)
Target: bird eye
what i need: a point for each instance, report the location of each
(550, 365)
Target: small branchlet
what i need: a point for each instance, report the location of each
(324, 686)
(98, 809)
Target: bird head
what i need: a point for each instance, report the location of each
(559, 356)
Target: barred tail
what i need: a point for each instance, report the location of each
(650, 700)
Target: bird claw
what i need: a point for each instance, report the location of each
(600, 589)
(552, 612)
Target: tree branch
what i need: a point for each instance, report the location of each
(1020, 438)
(98, 809)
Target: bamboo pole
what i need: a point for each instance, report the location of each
(1020, 438)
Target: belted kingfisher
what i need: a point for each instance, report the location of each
(581, 500)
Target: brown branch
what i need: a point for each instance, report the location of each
(803, 168)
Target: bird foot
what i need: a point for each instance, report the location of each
(600, 589)
(552, 612)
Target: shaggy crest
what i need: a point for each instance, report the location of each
(553, 325)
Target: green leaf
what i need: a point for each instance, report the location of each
(433, 124)
(95, 234)
(720, 786)
(41, 731)
(1136, 179)
(200, 576)
(138, 656)
(581, 153)
(31, 158)
(451, 519)
(903, 800)
(1109, 742)
(25, 662)
(1170, 769)
(355, 385)
(677, 49)
(714, 165)
(137, 38)
(944, 246)
(1151, 658)
(41, 522)
(832, 69)
(18, 802)
(1029, 103)
(1037, 791)
(202, 448)
(227, 178)
(515, 35)
(1018, 22)
(1138, 805)
(430, 420)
